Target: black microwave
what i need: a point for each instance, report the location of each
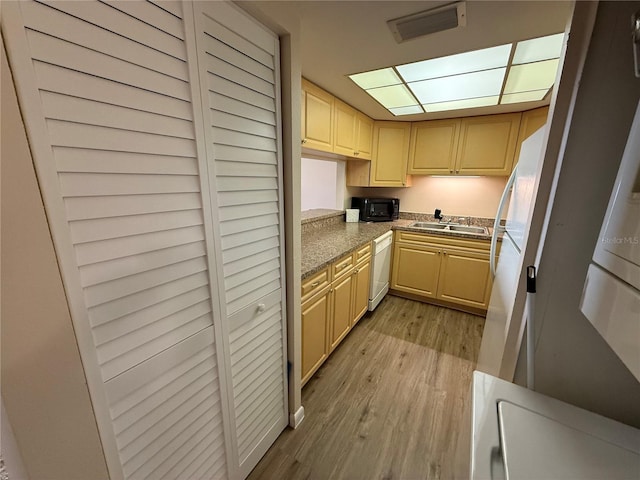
(377, 209)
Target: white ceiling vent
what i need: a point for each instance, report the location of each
(428, 21)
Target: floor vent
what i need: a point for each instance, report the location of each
(428, 21)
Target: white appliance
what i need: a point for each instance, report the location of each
(611, 296)
(520, 434)
(523, 184)
(380, 265)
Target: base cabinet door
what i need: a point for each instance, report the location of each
(464, 278)
(315, 334)
(416, 269)
(341, 303)
(362, 276)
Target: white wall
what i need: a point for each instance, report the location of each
(322, 184)
(44, 387)
(457, 196)
(573, 362)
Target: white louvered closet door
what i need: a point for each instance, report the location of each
(238, 64)
(104, 89)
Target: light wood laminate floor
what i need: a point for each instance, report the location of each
(388, 402)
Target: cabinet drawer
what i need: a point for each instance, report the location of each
(314, 284)
(341, 266)
(442, 241)
(363, 253)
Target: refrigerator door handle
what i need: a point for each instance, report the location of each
(496, 224)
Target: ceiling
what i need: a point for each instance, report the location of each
(338, 38)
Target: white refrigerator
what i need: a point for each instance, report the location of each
(503, 326)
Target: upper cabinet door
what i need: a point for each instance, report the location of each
(344, 124)
(434, 145)
(318, 112)
(364, 137)
(531, 121)
(487, 144)
(390, 154)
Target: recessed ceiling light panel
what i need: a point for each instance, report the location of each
(531, 76)
(459, 87)
(484, 59)
(376, 78)
(469, 79)
(537, 49)
(532, 96)
(393, 96)
(459, 104)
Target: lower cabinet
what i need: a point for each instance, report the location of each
(333, 300)
(315, 332)
(446, 270)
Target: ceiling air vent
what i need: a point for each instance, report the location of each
(428, 21)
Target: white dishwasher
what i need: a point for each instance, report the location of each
(380, 265)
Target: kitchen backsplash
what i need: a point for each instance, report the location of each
(477, 196)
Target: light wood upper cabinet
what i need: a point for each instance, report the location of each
(531, 121)
(344, 122)
(487, 144)
(364, 136)
(390, 154)
(433, 147)
(317, 117)
(330, 125)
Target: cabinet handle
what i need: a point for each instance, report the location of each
(315, 284)
(439, 252)
(355, 272)
(445, 252)
(450, 171)
(304, 140)
(261, 307)
(331, 291)
(458, 171)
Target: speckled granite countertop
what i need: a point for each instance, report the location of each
(321, 247)
(319, 214)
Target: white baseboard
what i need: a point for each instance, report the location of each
(295, 419)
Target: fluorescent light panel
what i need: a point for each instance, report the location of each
(467, 80)
(459, 87)
(537, 49)
(393, 96)
(376, 78)
(484, 59)
(459, 104)
(531, 76)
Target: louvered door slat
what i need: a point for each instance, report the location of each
(120, 268)
(82, 160)
(105, 89)
(54, 22)
(79, 110)
(123, 25)
(151, 14)
(241, 93)
(63, 80)
(65, 54)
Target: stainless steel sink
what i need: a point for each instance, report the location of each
(430, 225)
(469, 229)
(451, 227)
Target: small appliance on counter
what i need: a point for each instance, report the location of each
(377, 209)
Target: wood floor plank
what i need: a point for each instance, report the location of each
(388, 402)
